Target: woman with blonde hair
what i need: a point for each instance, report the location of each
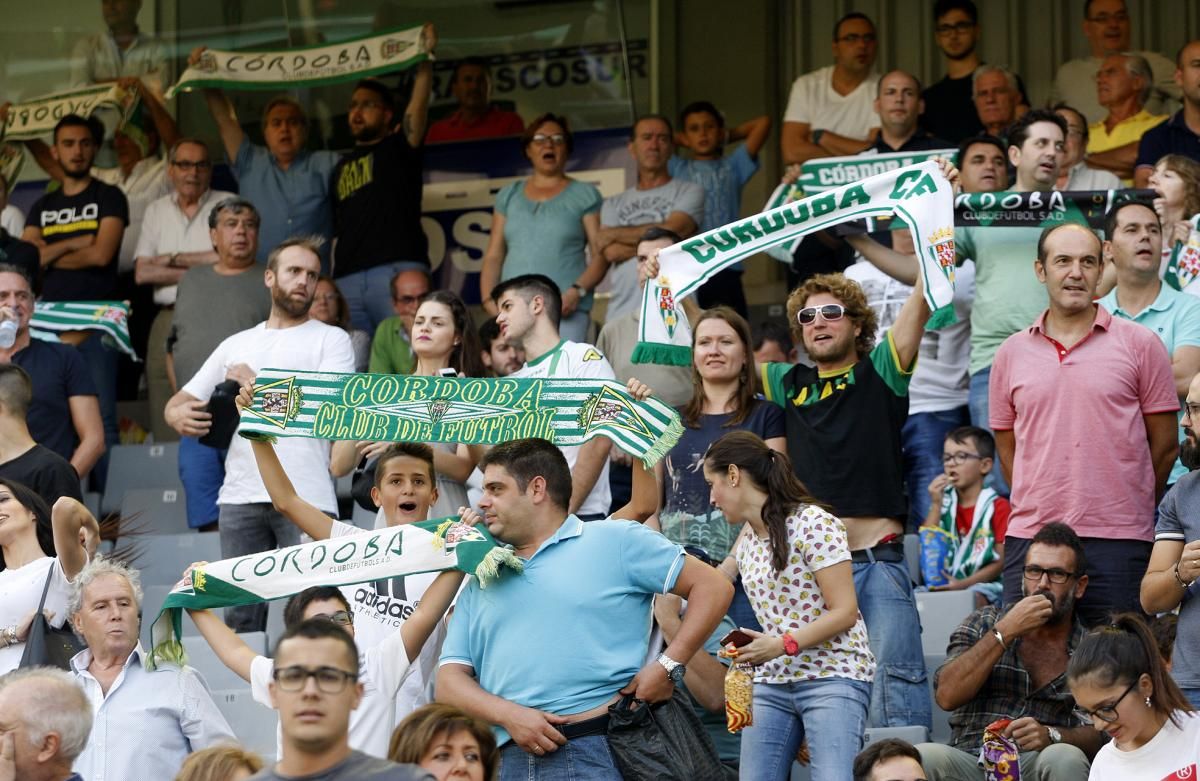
(220, 763)
(447, 742)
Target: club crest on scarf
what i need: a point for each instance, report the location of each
(666, 305)
(941, 241)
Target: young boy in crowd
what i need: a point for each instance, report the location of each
(703, 132)
(975, 516)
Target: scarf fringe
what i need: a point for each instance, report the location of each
(663, 444)
(941, 317)
(489, 568)
(662, 354)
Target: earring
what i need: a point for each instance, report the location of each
(1148, 705)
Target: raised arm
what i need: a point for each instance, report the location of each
(754, 132)
(593, 454)
(417, 628)
(68, 519)
(164, 123)
(909, 327)
(89, 428)
(230, 649)
(493, 263)
(416, 114)
(222, 112)
(643, 499)
(284, 498)
(897, 265)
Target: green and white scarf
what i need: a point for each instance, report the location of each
(918, 194)
(12, 160)
(306, 66)
(977, 548)
(111, 318)
(484, 411)
(1184, 265)
(427, 546)
(1041, 209)
(37, 117)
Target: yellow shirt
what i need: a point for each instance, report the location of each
(1127, 131)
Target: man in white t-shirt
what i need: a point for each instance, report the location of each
(529, 308)
(384, 667)
(288, 339)
(831, 111)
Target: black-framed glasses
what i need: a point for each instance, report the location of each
(1119, 16)
(957, 27)
(829, 313)
(1034, 573)
(858, 38)
(1108, 713)
(1193, 410)
(330, 680)
(557, 139)
(959, 458)
(341, 617)
(189, 165)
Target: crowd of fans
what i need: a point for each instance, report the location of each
(1049, 434)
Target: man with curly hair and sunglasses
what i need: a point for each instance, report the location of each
(844, 417)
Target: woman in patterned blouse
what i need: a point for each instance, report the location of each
(812, 665)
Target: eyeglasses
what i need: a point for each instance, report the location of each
(858, 38)
(1193, 410)
(1034, 573)
(957, 27)
(829, 313)
(1107, 714)
(1120, 17)
(557, 139)
(189, 165)
(959, 458)
(341, 617)
(409, 300)
(330, 680)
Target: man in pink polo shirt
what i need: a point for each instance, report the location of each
(1083, 405)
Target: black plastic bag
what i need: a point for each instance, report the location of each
(47, 646)
(222, 405)
(661, 742)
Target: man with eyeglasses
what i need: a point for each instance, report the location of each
(843, 419)
(1108, 29)
(830, 111)
(1174, 566)
(1011, 663)
(391, 349)
(316, 687)
(1083, 407)
(1075, 173)
(174, 237)
(376, 192)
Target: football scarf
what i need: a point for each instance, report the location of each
(977, 548)
(111, 318)
(919, 195)
(1184, 265)
(468, 410)
(37, 117)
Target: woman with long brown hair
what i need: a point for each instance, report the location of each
(812, 666)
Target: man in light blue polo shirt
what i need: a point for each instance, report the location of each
(542, 655)
(1134, 247)
(288, 184)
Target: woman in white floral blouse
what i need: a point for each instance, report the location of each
(812, 665)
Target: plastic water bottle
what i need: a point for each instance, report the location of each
(8, 334)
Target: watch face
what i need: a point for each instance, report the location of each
(678, 673)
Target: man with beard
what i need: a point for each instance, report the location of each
(78, 231)
(289, 337)
(1175, 561)
(500, 356)
(376, 191)
(1082, 398)
(213, 302)
(989, 675)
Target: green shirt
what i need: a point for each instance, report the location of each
(391, 352)
(1008, 295)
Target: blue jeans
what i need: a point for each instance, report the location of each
(202, 471)
(977, 401)
(582, 759)
(102, 362)
(923, 435)
(899, 696)
(369, 293)
(246, 529)
(1193, 696)
(830, 712)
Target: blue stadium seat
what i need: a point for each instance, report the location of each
(139, 466)
(941, 612)
(914, 734)
(941, 718)
(157, 510)
(162, 558)
(255, 725)
(912, 557)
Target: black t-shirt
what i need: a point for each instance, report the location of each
(58, 373)
(843, 431)
(950, 110)
(46, 472)
(377, 206)
(21, 254)
(61, 217)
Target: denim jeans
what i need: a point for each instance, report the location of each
(899, 696)
(1193, 696)
(201, 470)
(923, 435)
(830, 712)
(102, 362)
(246, 529)
(1059, 762)
(369, 293)
(582, 759)
(977, 401)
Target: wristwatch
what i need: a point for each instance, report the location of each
(675, 670)
(582, 290)
(1055, 735)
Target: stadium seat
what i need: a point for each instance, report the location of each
(343, 485)
(157, 510)
(941, 613)
(162, 558)
(941, 718)
(254, 724)
(91, 500)
(363, 519)
(152, 600)
(139, 466)
(219, 677)
(914, 734)
(275, 625)
(912, 557)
